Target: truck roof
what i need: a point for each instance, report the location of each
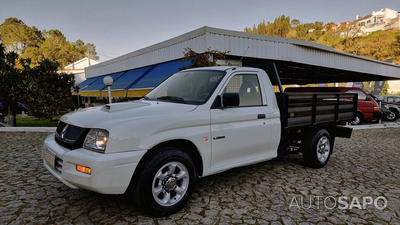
(332, 89)
(224, 68)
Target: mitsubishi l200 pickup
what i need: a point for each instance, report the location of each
(196, 123)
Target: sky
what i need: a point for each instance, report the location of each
(118, 27)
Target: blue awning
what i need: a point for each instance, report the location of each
(159, 73)
(137, 79)
(129, 78)
(99, 85)
(87, 82)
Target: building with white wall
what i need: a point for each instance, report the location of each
(78, 68)
(394, 87)
(383, 19)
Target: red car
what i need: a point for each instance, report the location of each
(367, 109)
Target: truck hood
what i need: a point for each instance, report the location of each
(112, 114)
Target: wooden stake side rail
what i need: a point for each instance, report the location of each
(299, 109)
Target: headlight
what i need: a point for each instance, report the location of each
(96, 140)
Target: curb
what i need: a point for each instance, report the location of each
(28, 129)
(375, 126)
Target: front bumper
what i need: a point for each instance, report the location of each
(377, 115)
(386, 113)
(110, 173)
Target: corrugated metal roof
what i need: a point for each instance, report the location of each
(293, 57)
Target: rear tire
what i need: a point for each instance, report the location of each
(358, 120)
(164, 182)
(317, 148)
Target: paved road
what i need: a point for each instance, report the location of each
(364, 170)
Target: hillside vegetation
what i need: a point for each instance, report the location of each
(380, 45)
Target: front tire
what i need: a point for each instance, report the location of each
(317, 148)
(394, 115)
(164, 182)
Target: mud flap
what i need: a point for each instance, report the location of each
(344, 132)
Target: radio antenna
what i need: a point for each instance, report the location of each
(244, 54)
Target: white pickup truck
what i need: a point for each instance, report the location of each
(196, 123)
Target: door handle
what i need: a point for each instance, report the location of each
(261, 116)
(220, 137)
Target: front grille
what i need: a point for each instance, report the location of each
(70, 136)
(73, 133)
(60, 127)
(58, 165)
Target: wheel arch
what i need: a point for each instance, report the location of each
(188, 147)
(361, 116)
(394, 108)
(330, 128)
(184, 145)
(141, 188)
(310, 146)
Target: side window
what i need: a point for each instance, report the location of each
(248, 88)
(393, 99)
(361, 95)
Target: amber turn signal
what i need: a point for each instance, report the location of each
(84, 169)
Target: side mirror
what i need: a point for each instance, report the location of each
(230, 99)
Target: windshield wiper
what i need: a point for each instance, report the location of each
(146, 98)
(172, 98)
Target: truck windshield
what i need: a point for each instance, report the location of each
(187, 87)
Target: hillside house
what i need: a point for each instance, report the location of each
(383, 19)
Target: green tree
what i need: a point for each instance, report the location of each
(17, 36)
(45, 91)
(53, 46)
(29, 42)
(49, 91)
(308, 31)
(331, 37)
(380, 45)
(10, 85)
(295, 23)
(260, 29)
(280, 27)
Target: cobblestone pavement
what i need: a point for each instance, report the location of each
(363, 170)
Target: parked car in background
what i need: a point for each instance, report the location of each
(2, 109)
(21, 107)
(387, 113)
(368, 109)
(392, 99)
(391, 112)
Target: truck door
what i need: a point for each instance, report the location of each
(241, 134)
